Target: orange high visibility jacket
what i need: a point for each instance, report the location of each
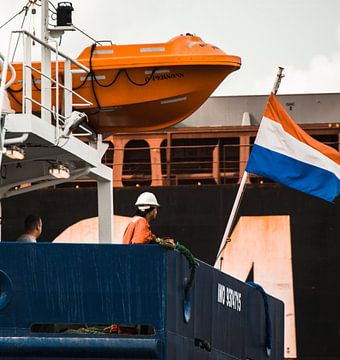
(138, 232)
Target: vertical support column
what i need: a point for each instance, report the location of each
(216, 164)
(156, 163)
(168, 158)
(45, 64)
(0, 217)
(27, 78)
(67, 99)
(105, 211)
(56, 87)
(244, 155)
(118, 161)
(2, 87)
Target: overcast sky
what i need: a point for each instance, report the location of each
(301, 35)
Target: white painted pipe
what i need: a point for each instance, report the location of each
(17, 140)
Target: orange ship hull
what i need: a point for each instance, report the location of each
(145, 87)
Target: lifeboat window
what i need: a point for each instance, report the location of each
(95, 329)
(137, 164)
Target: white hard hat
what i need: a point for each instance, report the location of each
(147, 198)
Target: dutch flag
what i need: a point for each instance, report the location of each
(285, 153)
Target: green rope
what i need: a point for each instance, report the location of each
(89, 330)
(165, 243)
(193, 264)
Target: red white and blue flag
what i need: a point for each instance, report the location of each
(285, 153)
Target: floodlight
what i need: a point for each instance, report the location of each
(15, 152)
(59, 171)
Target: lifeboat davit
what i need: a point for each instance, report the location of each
(149, 86)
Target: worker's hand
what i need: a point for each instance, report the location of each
(170, 242)
(166, 243)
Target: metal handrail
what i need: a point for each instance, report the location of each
(2, 96)
(60, 85)
(13, 72)
(66, 87)
(227, 165)
(73, 61)
(197, 168)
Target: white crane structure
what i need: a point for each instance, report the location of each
(40, 149)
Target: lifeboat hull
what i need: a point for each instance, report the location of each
(171, 95)
(141, 87)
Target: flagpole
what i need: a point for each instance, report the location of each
(236, 205)
(279, 77)
(226, 235)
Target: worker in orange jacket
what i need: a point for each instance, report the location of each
(138, 231)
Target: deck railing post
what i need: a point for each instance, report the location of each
(27, 76)
(168, 158)
(45, 65)
(68, 85)
(156, 164)
(244, 155)
(216, 164)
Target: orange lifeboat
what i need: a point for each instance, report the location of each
(149, 86)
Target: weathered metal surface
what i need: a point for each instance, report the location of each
(124, 284)
(83, 347)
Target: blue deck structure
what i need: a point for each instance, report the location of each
(45, 288)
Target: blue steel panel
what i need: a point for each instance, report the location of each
(104, 284)
(204, 298)
(177, 278)
(80, 347)
(255, 329)
(276, 309)
(228, 321)
(83, 284)
(234, 324)
(179, 347)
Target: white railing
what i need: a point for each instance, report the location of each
(68, 92)
(46, 99)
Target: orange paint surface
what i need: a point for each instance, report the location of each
(141, 87)
(86, 231)
(264, 244)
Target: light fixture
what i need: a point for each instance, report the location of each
(15, 152)
(59, 171)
